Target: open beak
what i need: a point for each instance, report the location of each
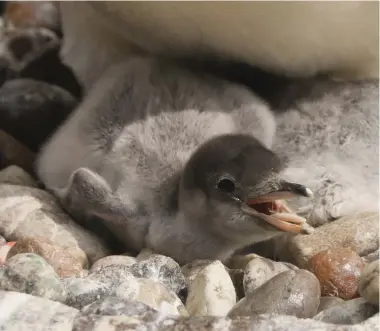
(271, 207)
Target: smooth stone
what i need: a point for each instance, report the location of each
(23, 14)
(31, 110)
(359, 232)
(206, 323)
(338, 271)
(192, 269)
(328, 302)
(82, 292)
(349, 312)
(369, 283)
(159, 297)
(115, 306)
(24, 312)
(64, 264)
(12, 152)
(112, 260)
(371, 257)
(293, 292)
(31, 212)
(30, 274)
(161, 269)
(259, 271)
(3, 241)
(240, 261)
(211, 293)
(16, 176)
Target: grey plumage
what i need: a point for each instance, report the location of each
(123, 157)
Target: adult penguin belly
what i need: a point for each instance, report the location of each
(291, 38)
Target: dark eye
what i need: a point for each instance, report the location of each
(226, 185)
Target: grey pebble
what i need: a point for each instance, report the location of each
(113, 306)
(349, 312)
(328, 302)
(259, 271)
(112, 260)
(369, 283)
(291, 292)
(31, 274)
(82, 292)
(162, 269)
(24, 312)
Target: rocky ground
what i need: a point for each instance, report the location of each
(56, 275)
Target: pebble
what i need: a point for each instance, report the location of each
(338, 271)
(192, 269)
(293, 292)
(359, 232)
(240, 261)
(369, 283)
(4, 251)
(159, 297)
(82, 292)
(21, 14)
(113, 276)
(2, 239)
(112, 260)
(349, 312)
(115, 306)
(371, 257)
(16, 176)
(64, 264)
(32, 212)
(327, 302)
(161, 269)
(169, 323)
(23, 312)
(30, 274)
(12, 152)
(258, 271)
(31, 110)
(211, 292)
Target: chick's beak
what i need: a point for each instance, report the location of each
(271, 208)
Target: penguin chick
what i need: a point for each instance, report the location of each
(331, 142)
(171, 160)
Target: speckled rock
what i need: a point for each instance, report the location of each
(258, 271)
(291, 292)
(349, 312)
(359, 232)
(211, 293)
(31, 212)
(118, 278)
(16, 176)
(82, 292)
(369, 283)
(158, 296)
(22, 312)
(29, 273)
(12, 152)
(338, 271)
(64, 264)
(30, 110)
(169, 323)
(328, 302)
(161, 269)
(114, 306)
(112, 260)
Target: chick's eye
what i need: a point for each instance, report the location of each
(226, 185)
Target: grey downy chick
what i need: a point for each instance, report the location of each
(171, 160)
(330, 140)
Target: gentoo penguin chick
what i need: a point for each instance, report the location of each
(331, 142)
(171, 160)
